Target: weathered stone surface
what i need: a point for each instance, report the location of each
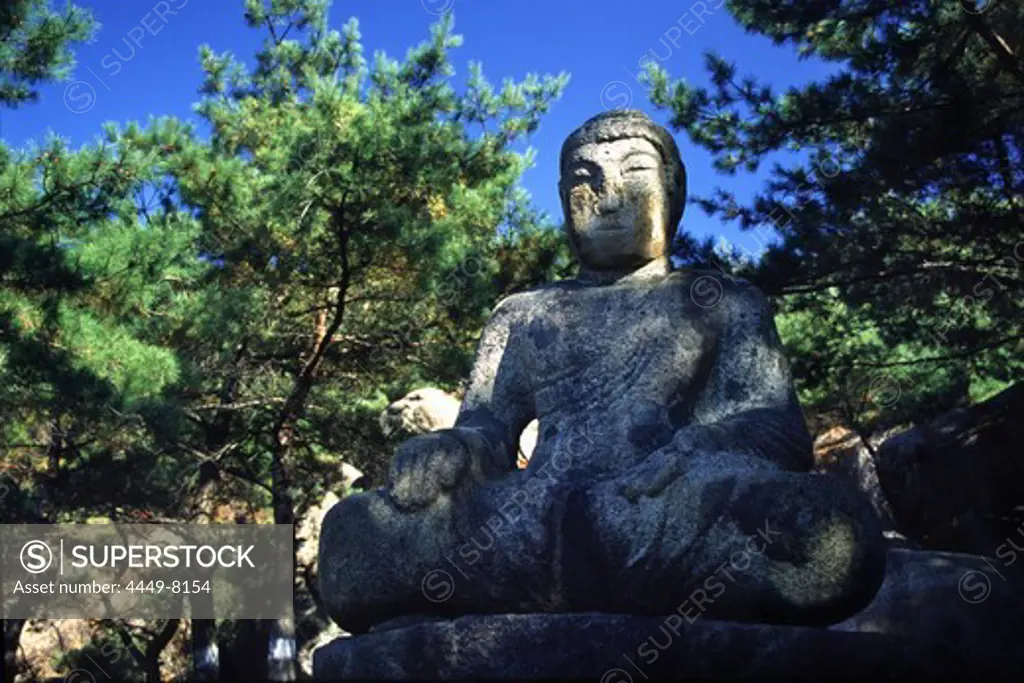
(418, 412)
(842, 452)
(967, 602)
(954, 483)
(670, 446)
(430, 409)
(563, 547)
(919, 624)
(612, 648)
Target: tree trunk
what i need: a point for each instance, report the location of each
(12, 636)
(205, 654)
(281, 650)
(282, 653)
(149, 661)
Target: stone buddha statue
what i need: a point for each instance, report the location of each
(672, 461)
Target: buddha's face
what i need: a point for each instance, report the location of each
(616, 203)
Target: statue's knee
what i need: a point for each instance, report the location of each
(344, 509)
(347, 525)
(814, 538)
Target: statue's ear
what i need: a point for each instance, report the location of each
(678, 200)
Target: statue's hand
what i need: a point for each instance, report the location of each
(425, 466)
(653, 475)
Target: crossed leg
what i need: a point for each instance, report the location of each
(732, 538)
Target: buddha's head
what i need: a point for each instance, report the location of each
(623, 190)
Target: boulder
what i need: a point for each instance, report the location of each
(954, 483)
(418, 412)
(430, 409)
(842, 452)
(968, 602)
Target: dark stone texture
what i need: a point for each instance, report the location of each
(672, 439)
(919, 624)
(955, 483)
(792, 548)
(610, 648)
(968, 602)
(843, 453)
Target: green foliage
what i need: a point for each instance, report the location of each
(105, 655)
(906, 203)
(74, 363)
(35, 46)
(350, 214)
(180, 311)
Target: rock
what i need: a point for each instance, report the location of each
(427, 410)
(842, 452)
(954, 483)
(418, 412)
(328, 634)
(965, 602)
(351, 477)
(926, 621)
(307, 531)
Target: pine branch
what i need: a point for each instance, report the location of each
(973, 351)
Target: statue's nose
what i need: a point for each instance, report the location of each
(610, 201)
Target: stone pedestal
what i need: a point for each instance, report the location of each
(937, 614)
(625, 649)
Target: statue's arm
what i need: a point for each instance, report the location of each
(498, 403)
(748, 404)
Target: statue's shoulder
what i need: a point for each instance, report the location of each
(516, 307)
(539, 295)
(710, 288)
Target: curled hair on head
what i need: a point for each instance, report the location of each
(620, 124)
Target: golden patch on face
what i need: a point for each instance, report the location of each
(652, 212)
(582, 198)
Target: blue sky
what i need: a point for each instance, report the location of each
(144, 62)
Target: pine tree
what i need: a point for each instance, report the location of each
(65, 366)
(905, 210)
(35, 46)
(352, 220)
(188, 322)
